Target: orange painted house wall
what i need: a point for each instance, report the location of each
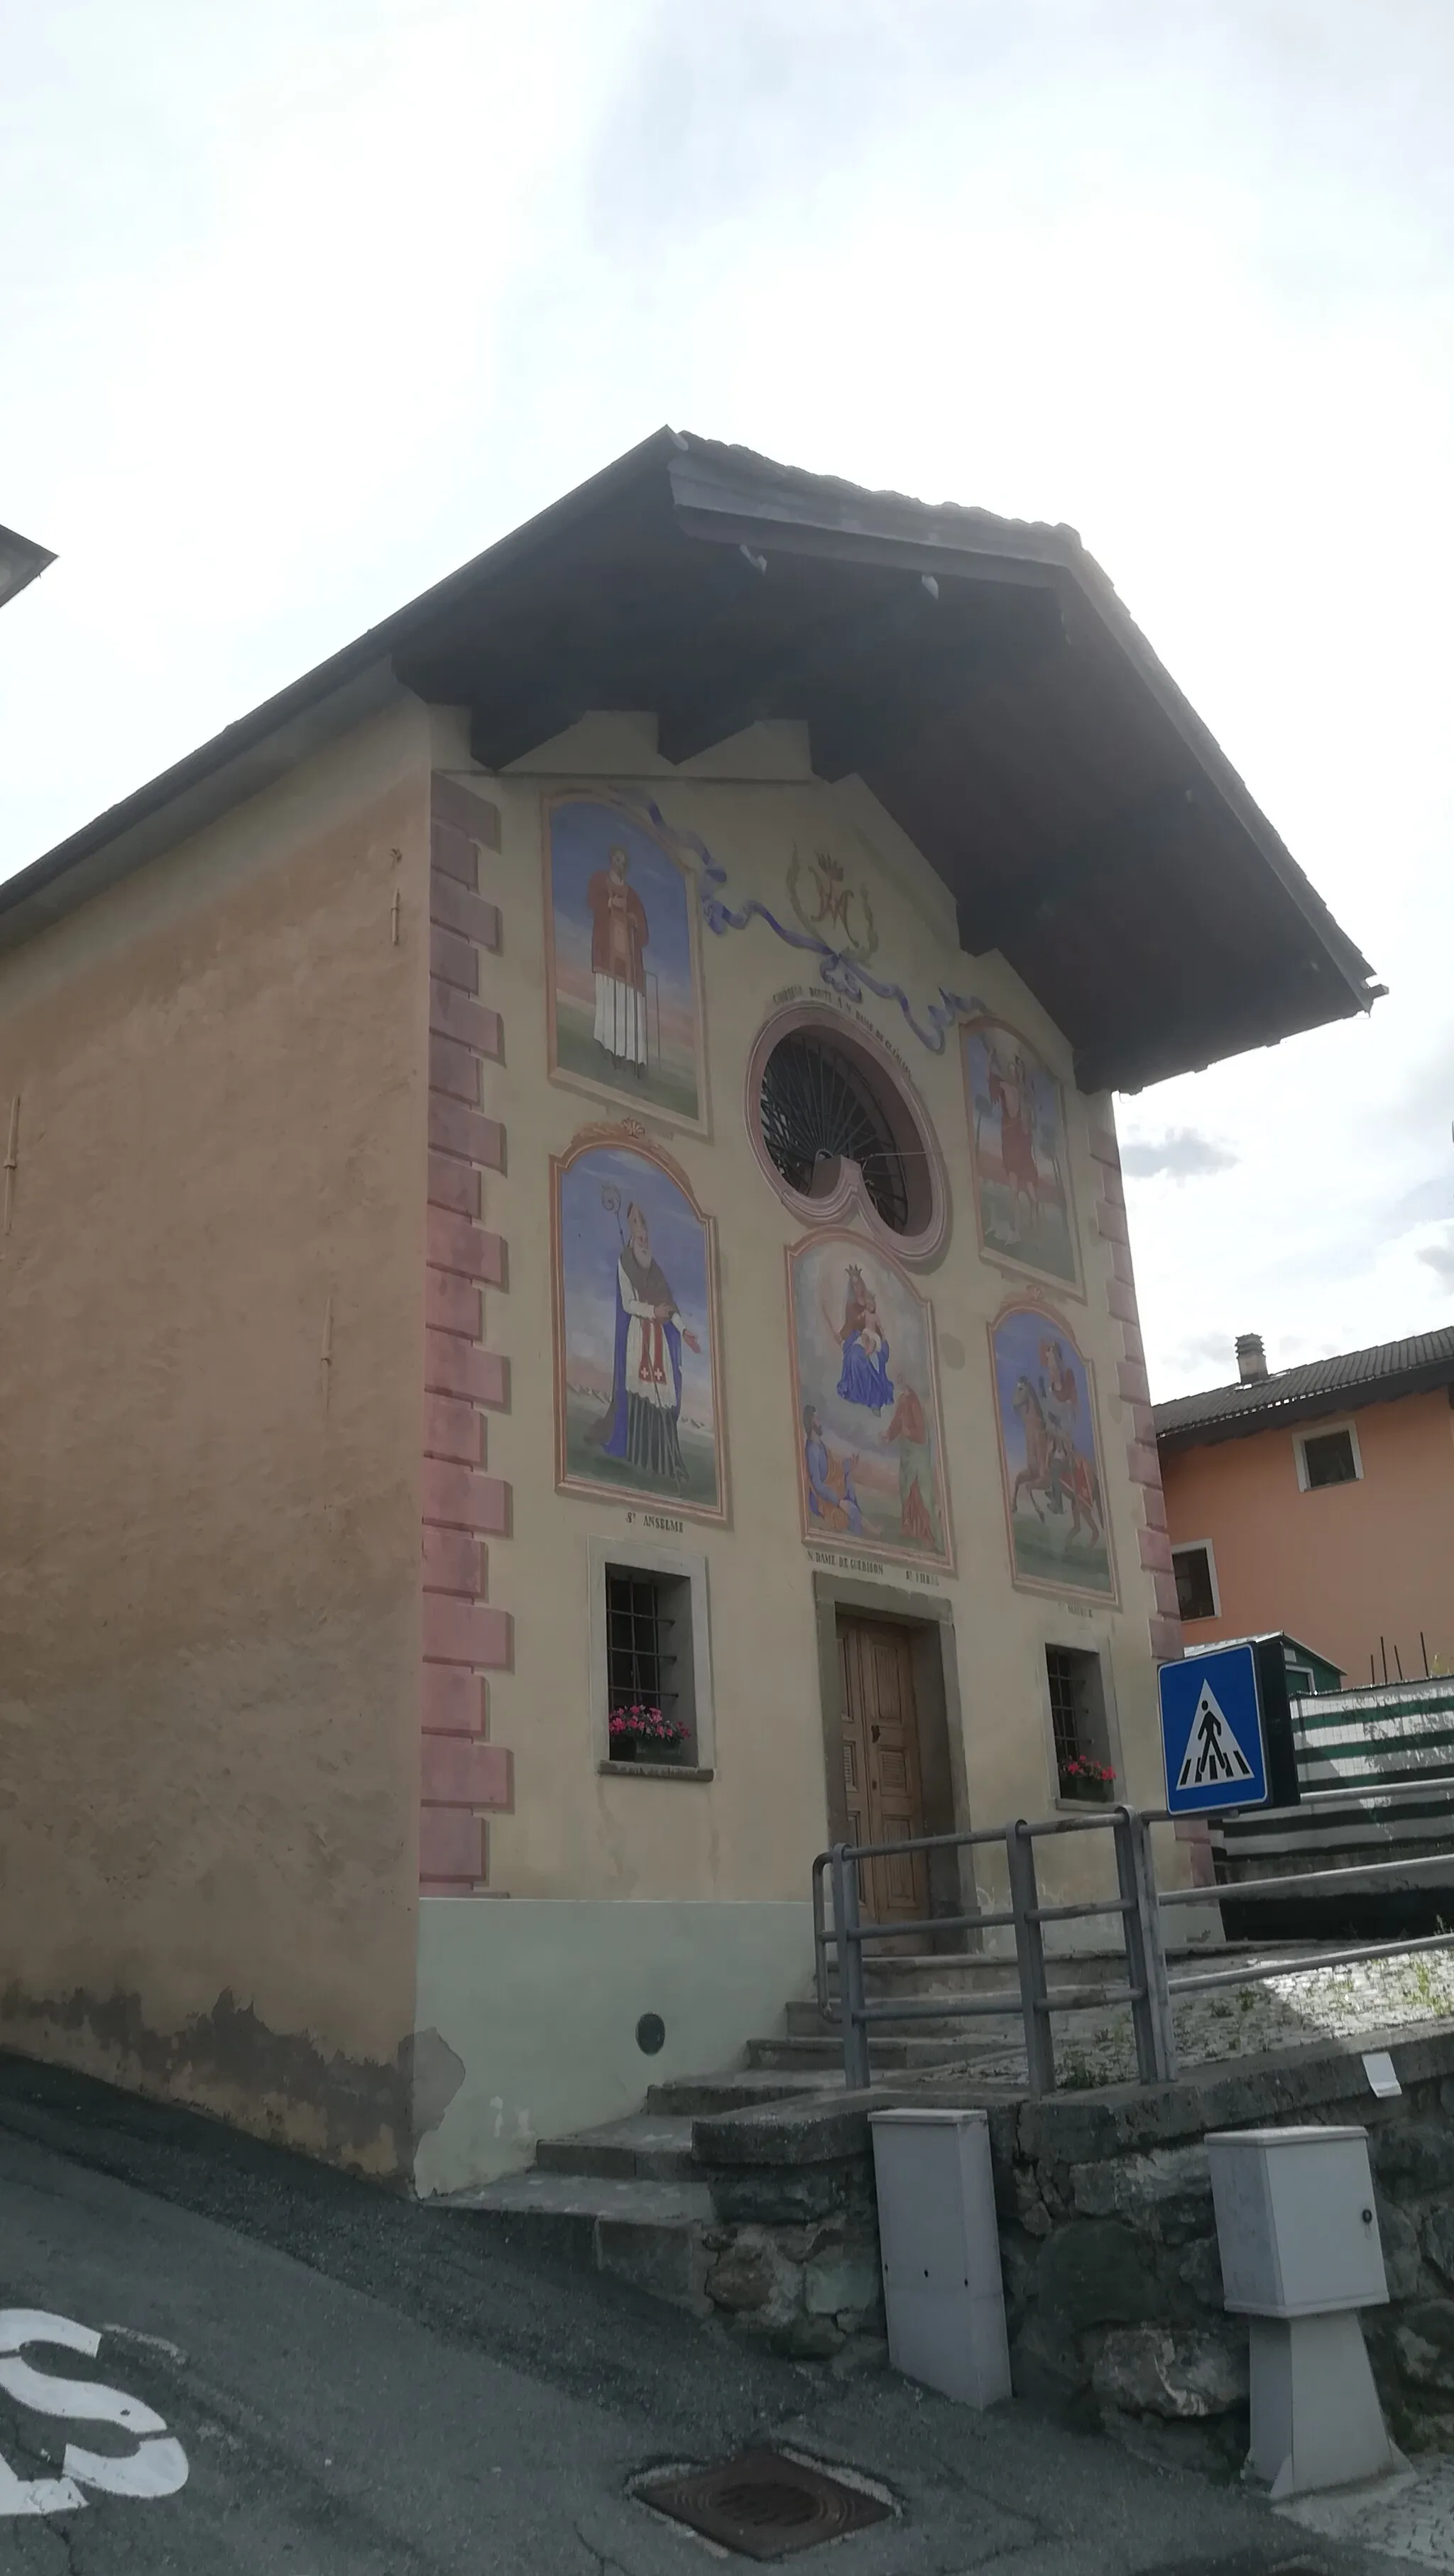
(1340, 1567)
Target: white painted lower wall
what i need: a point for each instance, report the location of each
(538, 1999)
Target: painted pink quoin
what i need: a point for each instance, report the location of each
(466, 1636)
(1164, 1625)
(1134, 1389)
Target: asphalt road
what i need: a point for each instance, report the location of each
(363, 2387)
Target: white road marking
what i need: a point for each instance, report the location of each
(147, 2342)
(157, 2466)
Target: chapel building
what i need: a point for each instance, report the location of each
(566, 1315)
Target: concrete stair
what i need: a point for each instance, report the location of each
(619, 2199)
(626, 2198)
(820, 2051)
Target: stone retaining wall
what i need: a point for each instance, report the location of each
(1107, 2238)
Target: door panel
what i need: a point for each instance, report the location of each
(882, 1788)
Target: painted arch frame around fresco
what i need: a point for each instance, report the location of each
(902, 1513)
(1029, 1339)
(1041, 1152)
(603, 1163)
(580, 825)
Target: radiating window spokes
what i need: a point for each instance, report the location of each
(818, 1105)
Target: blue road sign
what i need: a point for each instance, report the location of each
(1211, 1731)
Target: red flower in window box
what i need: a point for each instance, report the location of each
(639, 1723)
(1082, 1778)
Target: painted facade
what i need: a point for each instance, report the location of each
(445, 1259)
(631, 1890)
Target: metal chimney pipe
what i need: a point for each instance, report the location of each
(1251, 1359)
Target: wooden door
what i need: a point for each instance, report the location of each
(881, 1781)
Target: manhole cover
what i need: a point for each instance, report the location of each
(763, 2504)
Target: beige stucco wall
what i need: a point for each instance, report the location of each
(208, 1533)
(749, 1834)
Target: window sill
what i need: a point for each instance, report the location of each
(610, 1770)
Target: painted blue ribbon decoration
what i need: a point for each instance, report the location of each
(837, 970)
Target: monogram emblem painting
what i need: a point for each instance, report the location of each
(636, 1394)
(826, 902)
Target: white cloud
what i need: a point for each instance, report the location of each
(1181, 1154)
(1438, 1255)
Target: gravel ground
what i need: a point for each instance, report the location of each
(1379, 1995)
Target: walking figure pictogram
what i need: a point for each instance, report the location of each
(1212, 1751)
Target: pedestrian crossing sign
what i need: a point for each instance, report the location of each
(1211, 1732)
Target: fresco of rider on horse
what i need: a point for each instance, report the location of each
(1053, 1493)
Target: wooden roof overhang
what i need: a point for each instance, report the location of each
(979, 674)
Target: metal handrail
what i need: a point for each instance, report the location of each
(1301, 1967)
(1133, 1907)
(1296, 1882)
(1149, 1988)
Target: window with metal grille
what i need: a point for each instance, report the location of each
(1328, 1458)
(649, 1664)
(1078, 1722)
(1196, 1591)
(823, 1102)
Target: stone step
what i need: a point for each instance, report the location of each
(804, 2021)
(638, 2230)
(696, 2097)
(648, 2148)
(886, 2055)
(961, 1973)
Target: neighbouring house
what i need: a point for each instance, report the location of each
(568, 1323)
(1320, 1499)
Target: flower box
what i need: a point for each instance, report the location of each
(1091, 1784)
(642, 1729)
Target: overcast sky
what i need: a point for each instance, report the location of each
(302, 302)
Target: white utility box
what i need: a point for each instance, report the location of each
(940, 2246)
(1296, 2221)
(1297, 2229)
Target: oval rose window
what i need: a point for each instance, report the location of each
(823, 1103)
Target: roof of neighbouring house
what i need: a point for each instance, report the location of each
(979, 674)
(1312, 1654)
(1340, 1385)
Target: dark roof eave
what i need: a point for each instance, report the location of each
(1424, 1380)
(729, 496)
(261, 746)
(974, 541)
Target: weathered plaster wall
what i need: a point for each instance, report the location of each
(746, 1837)
(212, 1362)
(1342, 1567)
(538, 2003)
